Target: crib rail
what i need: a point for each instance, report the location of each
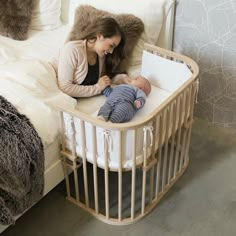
(124, 195)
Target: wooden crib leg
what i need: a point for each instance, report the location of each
(76, 181)
(65, 168)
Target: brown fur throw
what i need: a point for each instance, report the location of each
(21, 163)
(15, 17)
(130, 24)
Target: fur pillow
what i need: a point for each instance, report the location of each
(130, 24)
(15, 17)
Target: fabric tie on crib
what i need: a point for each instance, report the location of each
(108, 140)
(68, 121)
(147, 130)
(196, 84)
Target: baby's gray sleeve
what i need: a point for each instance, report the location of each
(107, 91)
(141, 96)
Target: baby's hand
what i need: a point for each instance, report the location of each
(137, 104)
(127, 79)
(104, 81)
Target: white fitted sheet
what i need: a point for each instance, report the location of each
(51, 153)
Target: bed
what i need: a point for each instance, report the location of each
(28, 82)
(19, 60)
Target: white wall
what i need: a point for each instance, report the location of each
(206, 31)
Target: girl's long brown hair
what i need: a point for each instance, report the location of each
(108, 27)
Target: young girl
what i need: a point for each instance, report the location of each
(81, 63)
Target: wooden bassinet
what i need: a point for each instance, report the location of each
(126, 193)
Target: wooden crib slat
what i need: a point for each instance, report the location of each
(159, 154)
(189, 123)
(187, 93)
(174, 127)
(74, 159)
(168, 110)
(76, 180)
(133, 173)
(187, 146)
(191, 106)
(73, 141)
(152, 160)
(120, 176)
(156, 127)
(144, 174)
(65, 168)
(62, 131)
(83, 144)
(180, 105)
(64, 158)
(143, 190)
(95, 175)
(106, 173)
(183, 132)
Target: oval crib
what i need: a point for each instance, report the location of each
(124, 193)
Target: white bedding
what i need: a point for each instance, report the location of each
(40, 44)
(30, 85)
(28, 81)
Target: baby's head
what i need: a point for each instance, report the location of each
(142, 83)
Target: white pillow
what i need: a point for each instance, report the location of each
(151, 12)
(46, 15)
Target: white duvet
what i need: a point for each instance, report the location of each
(30, 85)
(29, 82)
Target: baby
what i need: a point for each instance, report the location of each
(124, 100)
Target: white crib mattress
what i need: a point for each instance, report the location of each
(155, 98)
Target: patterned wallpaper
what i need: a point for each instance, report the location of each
(205, 30)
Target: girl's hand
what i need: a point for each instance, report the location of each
(104, 81)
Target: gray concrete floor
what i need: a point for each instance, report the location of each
(202, 202)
